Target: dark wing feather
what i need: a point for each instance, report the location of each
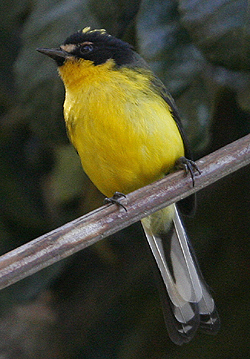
(187, 205)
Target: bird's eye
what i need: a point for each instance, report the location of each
(84, 49)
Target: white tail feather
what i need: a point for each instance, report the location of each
(188, 293)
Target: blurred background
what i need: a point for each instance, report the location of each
(102, 302)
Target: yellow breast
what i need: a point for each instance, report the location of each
(123, 131)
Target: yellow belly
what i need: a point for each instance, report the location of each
(126, 138)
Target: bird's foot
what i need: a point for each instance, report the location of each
(188, 166)
(116, 199)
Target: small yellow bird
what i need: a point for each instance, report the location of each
(126, 129)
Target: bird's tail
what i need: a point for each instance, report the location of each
(186, 299)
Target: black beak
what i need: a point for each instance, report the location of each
(58, 55)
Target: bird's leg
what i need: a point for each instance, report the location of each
(188, 166)
(116, 199)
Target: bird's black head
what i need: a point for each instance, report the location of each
(94, 45)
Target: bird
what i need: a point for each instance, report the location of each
(127, 131)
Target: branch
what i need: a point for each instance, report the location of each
(104, 221)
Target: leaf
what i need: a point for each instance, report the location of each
(220, 29)
(115, 16)
(64, 185)
(10, 15)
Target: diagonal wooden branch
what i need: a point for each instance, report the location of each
(86, 230)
